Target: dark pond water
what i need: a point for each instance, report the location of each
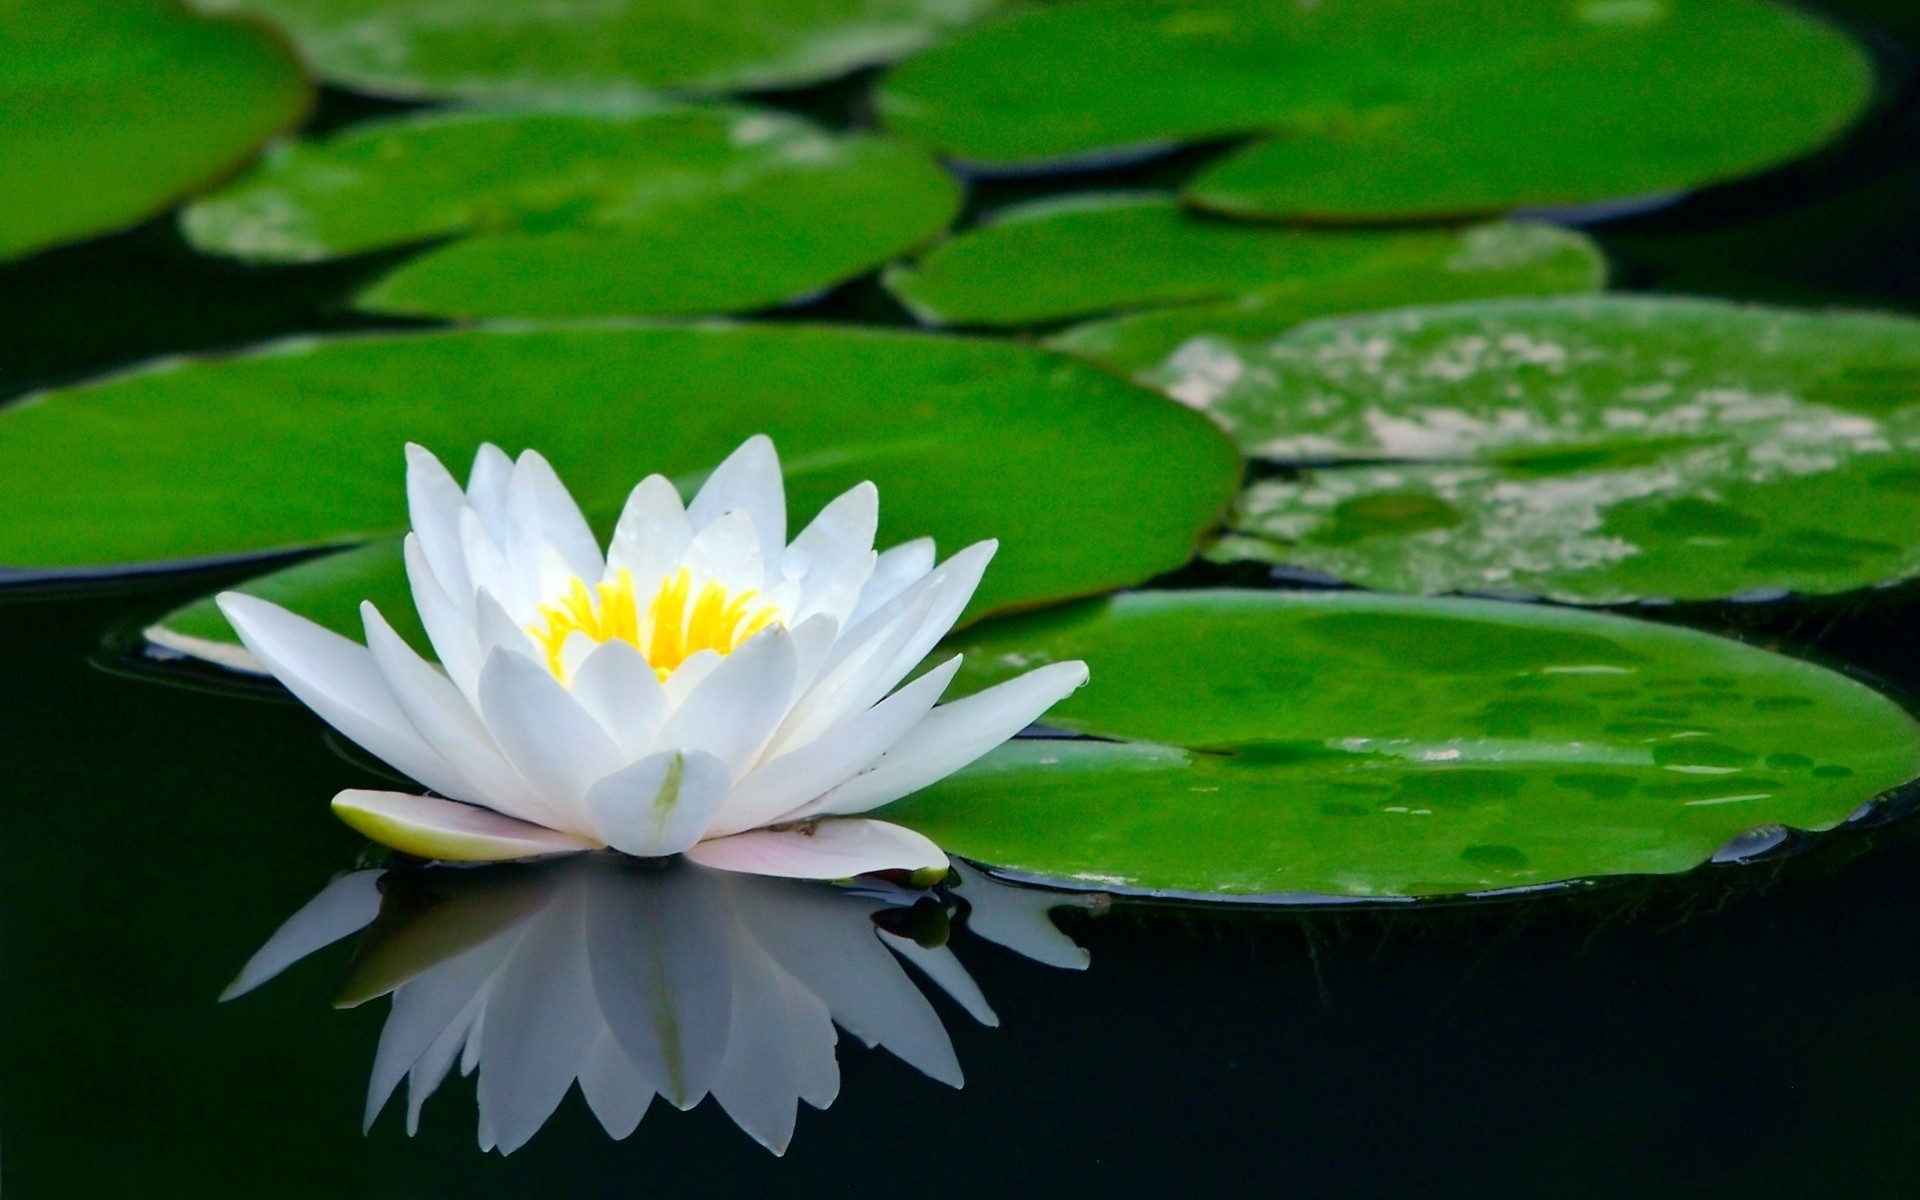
(1745, 1031)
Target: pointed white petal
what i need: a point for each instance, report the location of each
(827, 850)
(617, 686)
(541, 1020)
(449, 623)
(952, 736)
(428, 827)
(540, 510)
(652, 535)
(848, 671)
(613, 1087)
(748, 482)
(842, 533)
(490, 571)
(434, 502)
(836, 593)
(430, 1019)
(336, 678)
(345, 906)
(897, 570)
(545, 734)
(659, 805)
(780, 785)
(758, 1084)
(728, 549)
(736, 708)
(689, 675)
(1020, 919)
(813, 640)
(495, 630)
(939, 965)
(487, 489)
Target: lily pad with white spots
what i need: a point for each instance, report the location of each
(1116, 252)
(1591, 450)
(583, 211)
(1367, 110)
(1088, 481)
(115, 109)
(1375, 747)
(520, 48)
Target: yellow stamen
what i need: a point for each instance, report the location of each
(679, 622)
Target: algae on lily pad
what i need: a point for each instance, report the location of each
(1594, 450)
(1365, 746)
(1090, 482)
(115, 109)
(584, 211)
(1107, 253)
(423, 48)
(1395, 109)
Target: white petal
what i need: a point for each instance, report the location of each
(613, 1087)
(728, 549)
(428, 827)
(827, 850)
(448, 723)
(336, 678)
(546, 735)
(836, 593)
(345, 906)
(652, 535)
(1020, 919)
(736, 708)
(813, 640)
(758, 1084)
(448, 622)
(689, 675)
(428, 1023)
(490, 571)
(952, 736)
(495, 629)
(487, 489)
(748, 482)
(842, 533)
(617, 686)
(659, 805)
(777, 787)
(434, 502)
(897, 570)
(540, 510)
(939, 965)
(848, 670)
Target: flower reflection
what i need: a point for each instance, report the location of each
(638, 980)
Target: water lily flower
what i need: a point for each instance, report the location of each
(702, 687)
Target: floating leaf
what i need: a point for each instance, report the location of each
(117, 108)
(583, 212)
(1090, 482)
(1355, 745)
(1393, 109)
(1592, 450)
(1105, 253)
(544, 47)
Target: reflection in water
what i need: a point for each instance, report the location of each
(639, 979)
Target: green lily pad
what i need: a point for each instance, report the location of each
(1501, 259)
(1105, 253)
(543, 47)
(1090, 482)
(583, 212)
(115, 109)
(1391, 109)
(1593, 450)
(1355, 745)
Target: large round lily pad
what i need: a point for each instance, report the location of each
(1395, 108)
(584, 212)
(1106, 253)
(543, 47)
(1090, 482)
(115, 109)
(1357, 745)
(1595, 450)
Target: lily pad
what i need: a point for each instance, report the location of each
(1354, 745)
(1105, 253)
(587, 212)
(1391, 109)
(1090, 482)
(1594, 450)
(421, 48)
(115, 109)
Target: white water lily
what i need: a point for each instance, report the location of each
(703, 687)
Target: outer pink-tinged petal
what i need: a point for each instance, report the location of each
(952, 736)
(652, 535)
(778, 786)
(748, 482)
(448, 622)
(895, 571)
(545, 734)
(448, 723)
(539, 509)
(337, 679)
(434, 502)
(735, 709)
(659, 805)
(429, 827)
(617, 686)
(842, 533)
(826, 850)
